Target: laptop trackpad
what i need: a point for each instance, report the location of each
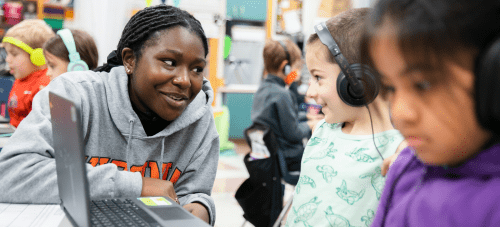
(175, 213)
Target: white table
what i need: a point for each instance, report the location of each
(31, 215)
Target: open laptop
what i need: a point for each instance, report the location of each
(74, 189)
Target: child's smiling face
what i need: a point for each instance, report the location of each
(169, 73)
(323, 85)
(436, 117)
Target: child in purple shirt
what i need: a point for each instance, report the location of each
(439, 64)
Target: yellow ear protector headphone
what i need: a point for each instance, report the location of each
(36, 55)
(75, 62)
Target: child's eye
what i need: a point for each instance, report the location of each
(317, 78)
(388, 88)
(423, 86)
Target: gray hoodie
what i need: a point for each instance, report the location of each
(186, 152)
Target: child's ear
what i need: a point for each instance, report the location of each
(128, 59)
(283, 64)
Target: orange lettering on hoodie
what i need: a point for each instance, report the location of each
(154, 172)
(93, 161)
(175, 176)
(103, 161)
(120, 164)
(142, 168)
(165, 168)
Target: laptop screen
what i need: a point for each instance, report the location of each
(69, 154)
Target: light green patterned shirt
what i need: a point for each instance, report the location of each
(340, 181)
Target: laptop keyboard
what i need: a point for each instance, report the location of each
(119, 212)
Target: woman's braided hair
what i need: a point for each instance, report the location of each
(143, 30)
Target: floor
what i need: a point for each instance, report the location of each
(231, 172)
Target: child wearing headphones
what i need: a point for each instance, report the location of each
(439, 67)
(340, 180)
(25, 58)
(70, 50)
(275, 106)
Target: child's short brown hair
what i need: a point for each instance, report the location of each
(33, 32)
(274, 54)
(84, 43)
(346, 29)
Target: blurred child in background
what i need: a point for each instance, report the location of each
(275, 106)
(23, 43)
(57, 54)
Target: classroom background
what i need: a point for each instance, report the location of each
(237, 30)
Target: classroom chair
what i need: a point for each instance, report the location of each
(267, 178)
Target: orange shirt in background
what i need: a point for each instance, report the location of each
(22, 93)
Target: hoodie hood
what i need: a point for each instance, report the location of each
(122, 113)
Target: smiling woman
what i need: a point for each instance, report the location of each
(148, 123)
(168, 76)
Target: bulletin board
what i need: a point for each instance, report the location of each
(289, 17)
(331, 8)
(247, 10)
(54, 12)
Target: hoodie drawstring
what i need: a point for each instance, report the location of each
(161, 156)
(131, 121)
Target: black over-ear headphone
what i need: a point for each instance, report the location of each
(287, 68)
(356, 84)
(487, 82)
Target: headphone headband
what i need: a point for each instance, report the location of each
(69, 42)
(75, 62)
(36, 55)
(327, 39)
(286, 52)
(287, 70)
(18, 43)
(356, 83)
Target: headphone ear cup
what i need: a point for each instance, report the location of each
(487, 82)
(37, 57)
(78, 66)
(367, 78)
(287, 70)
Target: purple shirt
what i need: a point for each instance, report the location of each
(416, 194)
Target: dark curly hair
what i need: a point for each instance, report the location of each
(143, 30)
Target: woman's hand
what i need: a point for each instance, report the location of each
(157, 187)
(198, 210)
